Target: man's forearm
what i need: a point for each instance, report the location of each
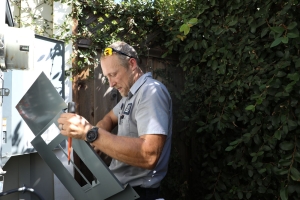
(140, 152)
(106, 123)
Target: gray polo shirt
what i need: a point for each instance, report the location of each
(146, 110)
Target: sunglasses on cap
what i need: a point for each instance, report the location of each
(109, 51)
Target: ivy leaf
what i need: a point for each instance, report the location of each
(281, 74)
(193, 21)
(200, 123)
(218, 30)
(283, 118)
(292, 123)
(248, 195)
(181, 37)
(285, 40)
(222, 186)
(289, 87)
(264, 32)
(276, 42)
(297, 63)
(260, 153)
(165, 55)
(262, 189)
(255, 129)
(283, 193)
(254, 159)
(222, 69)
(217, 196)
(232, 23)
(257, 139)
(204, 44)
(235, 142)
(294, 76)
(280, 53)
(221, 99)
(285, 129)
(292, 25)
(250, 107)
(240, 195)
(286, 146)
(185, 29)
(292, 35)
(277, 134)
(208, 196)
(250, 173)
(262, 170)
(297, 157)
(278, 29)
(295, 174)
(229, 148)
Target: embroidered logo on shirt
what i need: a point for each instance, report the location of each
(128, 109)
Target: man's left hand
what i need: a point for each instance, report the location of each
(73, 125)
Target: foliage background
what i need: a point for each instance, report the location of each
(236, 132)
(239, 109)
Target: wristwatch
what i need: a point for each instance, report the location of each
(92, 134)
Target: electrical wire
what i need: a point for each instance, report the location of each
(21, 189)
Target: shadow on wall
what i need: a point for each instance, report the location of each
(16, 141)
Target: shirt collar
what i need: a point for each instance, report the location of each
(135, 87)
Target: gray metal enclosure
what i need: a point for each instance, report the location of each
(23, 165)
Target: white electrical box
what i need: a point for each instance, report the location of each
(17, 48)
(48, 58)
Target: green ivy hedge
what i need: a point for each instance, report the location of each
(239, 111)
(240, 101)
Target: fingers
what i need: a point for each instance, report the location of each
(60, 126)
(96, 150)
(73, 125)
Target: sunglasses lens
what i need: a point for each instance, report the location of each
(107, 52)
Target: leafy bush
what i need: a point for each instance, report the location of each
(240, 101)
(239, 111)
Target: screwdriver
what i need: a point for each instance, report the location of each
(71, 109)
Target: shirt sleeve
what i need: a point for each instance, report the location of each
(154, 109)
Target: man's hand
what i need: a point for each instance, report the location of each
(74, 126)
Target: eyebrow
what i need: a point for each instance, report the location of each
(111, 74)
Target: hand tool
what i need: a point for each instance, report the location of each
(71, 109)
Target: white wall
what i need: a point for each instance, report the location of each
(44, 10)
(60, 11)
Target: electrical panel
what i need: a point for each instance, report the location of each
(48, 58)
(16, 48)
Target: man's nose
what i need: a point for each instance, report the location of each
(112, 83)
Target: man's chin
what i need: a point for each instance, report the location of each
(123, 94)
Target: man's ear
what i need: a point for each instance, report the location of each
(132, 64)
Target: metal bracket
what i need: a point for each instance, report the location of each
(1, 171)
(1, 178)
(40, 107)
(2, 50)
(4, 92)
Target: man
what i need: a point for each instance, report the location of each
(140, 151)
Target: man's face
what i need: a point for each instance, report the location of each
(118, 76)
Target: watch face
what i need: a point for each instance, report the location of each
(92, 135)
